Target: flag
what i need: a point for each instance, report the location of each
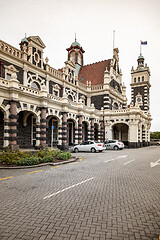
(143, 43)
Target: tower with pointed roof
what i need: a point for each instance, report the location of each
(140, 85)
(75, 54)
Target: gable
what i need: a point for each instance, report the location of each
(37, 40)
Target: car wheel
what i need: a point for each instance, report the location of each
(93, 150)
(76, 150)
(100, 150)
(116, 148)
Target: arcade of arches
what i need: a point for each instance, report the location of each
(27, 129)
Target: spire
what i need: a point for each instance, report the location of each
(75, 38)
(113, 40)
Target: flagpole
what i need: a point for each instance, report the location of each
(140, 48)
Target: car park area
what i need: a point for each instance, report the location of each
(108, 195)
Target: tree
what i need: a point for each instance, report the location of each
(155, 135)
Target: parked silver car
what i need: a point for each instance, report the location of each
(114, 144)
(90, 146)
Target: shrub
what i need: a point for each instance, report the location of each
(42, 153)
(28, 161)
(64, 155)
(11, 157)
(47, 159)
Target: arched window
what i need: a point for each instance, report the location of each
(142, 78)
(70, 97)
(79, 59)
(134, 79)
(138, 79)
(115, 106)
(35, 85)
(72, 56)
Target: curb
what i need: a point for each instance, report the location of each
(43, 164)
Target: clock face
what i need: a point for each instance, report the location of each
(139, 99)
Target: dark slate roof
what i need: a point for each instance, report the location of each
(94, 72)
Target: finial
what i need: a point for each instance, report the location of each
(25, 35)
(75, 37)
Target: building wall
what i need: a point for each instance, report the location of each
(20, 101)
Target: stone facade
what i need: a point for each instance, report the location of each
(77, 102)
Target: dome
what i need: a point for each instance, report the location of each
(140, 57)
(24, 40)
(75, 44)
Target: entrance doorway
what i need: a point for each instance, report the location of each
(120, 132)
(71, 132)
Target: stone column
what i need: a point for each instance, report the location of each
(13, 125)
(6, 131)
(60, 134)
(102, 131)
(37, 134)
(76, 133)
(80, 129)
(92, 129)
(64, 131)
(133, 135)
(43, 126)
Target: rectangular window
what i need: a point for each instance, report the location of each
(8, 76)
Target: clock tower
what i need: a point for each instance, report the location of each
(140, 85)
(75, 54)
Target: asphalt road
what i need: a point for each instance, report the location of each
(109, 195)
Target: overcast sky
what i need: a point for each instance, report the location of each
(57, 21)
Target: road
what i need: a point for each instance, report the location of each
(109, 195)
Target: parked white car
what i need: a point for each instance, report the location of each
(114, 144)
(89, 146)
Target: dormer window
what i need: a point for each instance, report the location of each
(55, 90)
(9, 70)
(55, 93)
(8, 76)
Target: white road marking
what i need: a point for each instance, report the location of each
(128, 162)
(155, 163)
(124, 156)
(65, 189)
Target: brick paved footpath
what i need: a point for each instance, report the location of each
(89, 200)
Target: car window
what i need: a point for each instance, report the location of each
(91, 142)
(84, 143)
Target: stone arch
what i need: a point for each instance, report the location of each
(85, 126)
(53, 121)
(71, 123)
(27, 129)
(120, 131)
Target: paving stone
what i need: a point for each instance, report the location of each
(118, 203)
